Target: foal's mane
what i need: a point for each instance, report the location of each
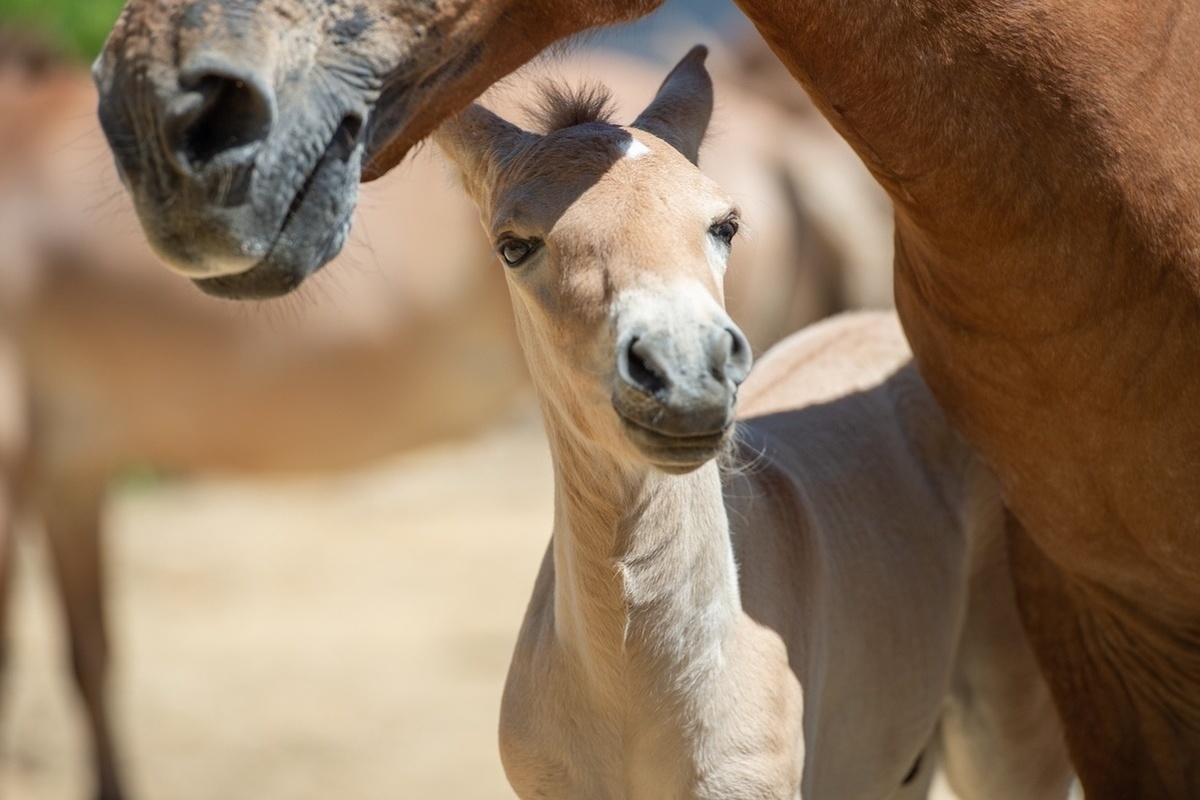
(560, 106)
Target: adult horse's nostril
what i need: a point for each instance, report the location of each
(637, 366)
(218, 115)
(345, 138)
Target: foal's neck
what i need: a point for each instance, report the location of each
(645, 586)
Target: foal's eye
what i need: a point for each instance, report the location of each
(725, 230)
(513, 251)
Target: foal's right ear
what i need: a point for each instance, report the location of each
(475, 140)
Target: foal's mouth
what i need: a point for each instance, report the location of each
(674, 451)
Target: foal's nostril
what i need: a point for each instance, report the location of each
(218, 114)
(738, 344)
(638, 368)
(739, 359)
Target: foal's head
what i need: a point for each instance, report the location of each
(615, 246)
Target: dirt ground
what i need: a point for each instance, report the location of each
(343, 637)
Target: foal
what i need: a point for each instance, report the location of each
(806, 628)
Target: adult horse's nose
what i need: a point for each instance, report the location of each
(220, 119)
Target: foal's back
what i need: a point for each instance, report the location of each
(882, 522)
(849, 545)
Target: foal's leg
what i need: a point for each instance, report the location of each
(71, 509)
(1001, 736)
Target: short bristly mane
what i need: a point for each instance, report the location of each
(559, 106)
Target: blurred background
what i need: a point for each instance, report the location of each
(301, 535)
(75, 28)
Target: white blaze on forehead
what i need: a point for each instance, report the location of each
(632, 148)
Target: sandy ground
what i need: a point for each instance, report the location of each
(344, 637)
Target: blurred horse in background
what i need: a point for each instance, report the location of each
(107, 360)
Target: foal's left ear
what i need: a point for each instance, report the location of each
(680, 112)
(475, 139)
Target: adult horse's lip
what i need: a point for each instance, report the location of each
(270, 278)
(280, 272)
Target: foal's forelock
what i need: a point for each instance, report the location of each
(559, 106)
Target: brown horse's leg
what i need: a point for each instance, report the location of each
(1124, 680)
(71, 510)
(14, 463)
(1001, 736)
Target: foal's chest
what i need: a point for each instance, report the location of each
(738, 739)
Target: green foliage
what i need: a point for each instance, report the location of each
(140, 477)
(77, 27)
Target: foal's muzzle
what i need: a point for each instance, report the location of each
(677, 396)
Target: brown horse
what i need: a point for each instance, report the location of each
(1044, 161)
(108, 359)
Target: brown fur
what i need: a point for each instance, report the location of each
(409, 340)
(1044, 159)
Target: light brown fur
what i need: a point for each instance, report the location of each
(829, 620)
(111, 360)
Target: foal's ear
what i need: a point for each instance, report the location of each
(475, 139)
(680, 112)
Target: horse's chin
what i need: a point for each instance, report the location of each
(281, 272)
(314, 228)
(676, 453)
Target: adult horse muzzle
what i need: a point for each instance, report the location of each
(242, 191)
(314, 227)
